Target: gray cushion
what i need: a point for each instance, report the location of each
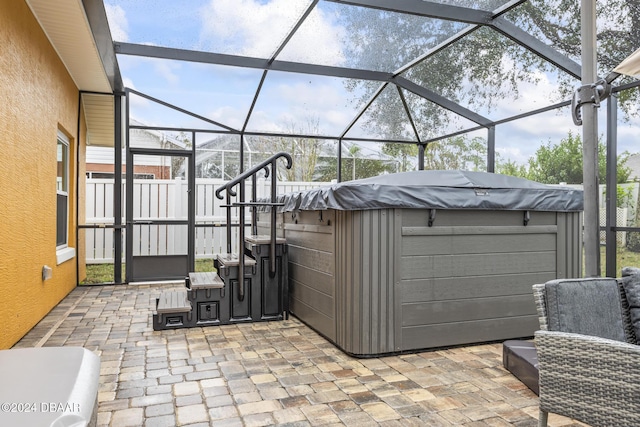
(631, 286)
(585, 306)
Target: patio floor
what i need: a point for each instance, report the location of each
(276, 373)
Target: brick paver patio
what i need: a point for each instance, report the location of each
(276, 373)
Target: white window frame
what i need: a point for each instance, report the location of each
(63, 251)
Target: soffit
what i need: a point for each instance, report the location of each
(65, 24)
(98, 113)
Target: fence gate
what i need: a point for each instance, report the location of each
(161, 231)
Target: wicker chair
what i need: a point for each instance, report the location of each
(591, 379)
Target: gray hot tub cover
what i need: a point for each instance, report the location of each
(436, 189)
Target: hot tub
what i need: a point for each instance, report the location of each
(426, 259)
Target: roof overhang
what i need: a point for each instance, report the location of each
(79, 33)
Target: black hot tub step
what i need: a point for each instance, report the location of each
(173, 310)
(205, 280)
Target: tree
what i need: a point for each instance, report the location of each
(458, 152)
(355, 165)
(404, 153)
(558, 22)
(485, 66)
(562, 162)
(304, 151)
(512, 168)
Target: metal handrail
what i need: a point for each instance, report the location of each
(228, 187)
(254, 170)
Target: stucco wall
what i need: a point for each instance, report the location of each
(37, 98)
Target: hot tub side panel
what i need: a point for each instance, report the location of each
(569, 245)
(310, 237)
(468, 277)
(366, 300)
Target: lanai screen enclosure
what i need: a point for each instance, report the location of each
(397, 75)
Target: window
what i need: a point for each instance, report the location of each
(63, 252)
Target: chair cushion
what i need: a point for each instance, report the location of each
(585, 306)
(631, 286)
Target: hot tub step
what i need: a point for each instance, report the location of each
(232, 260)
(263, 239)
(173, 310)
(173, 302)
(205, 280)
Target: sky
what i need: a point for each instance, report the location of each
(289, 102)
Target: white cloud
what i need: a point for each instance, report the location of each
(513, 154)
(303, 100)
(318, 96)
(137, 102)
(317, 41)
(128, 82)
(254, 28)
(229, 116)
(264, 122)
(628, 137)
(167, 70)
(118, 23)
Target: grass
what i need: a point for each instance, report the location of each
(627, 258)
(104, 273)
(204, 265)
(624, 258)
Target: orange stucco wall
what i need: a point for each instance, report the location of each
(37, 98)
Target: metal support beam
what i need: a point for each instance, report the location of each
(295, 28)
(191, 200)
(362, 110)
(409, 116)
(441, 46)
(421, 149)
(339, 177)
(255, 100)
(612, 186)
(426, 9)
(536, 46)
(97, 17)
(458, 36)
(246, 62)
(182, 110)
(491, 149)
(590, 143)
(502, 121)
(129, 192)
(241, 155)
(441, 101)
(117, 191)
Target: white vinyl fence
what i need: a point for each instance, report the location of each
(156, 199)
